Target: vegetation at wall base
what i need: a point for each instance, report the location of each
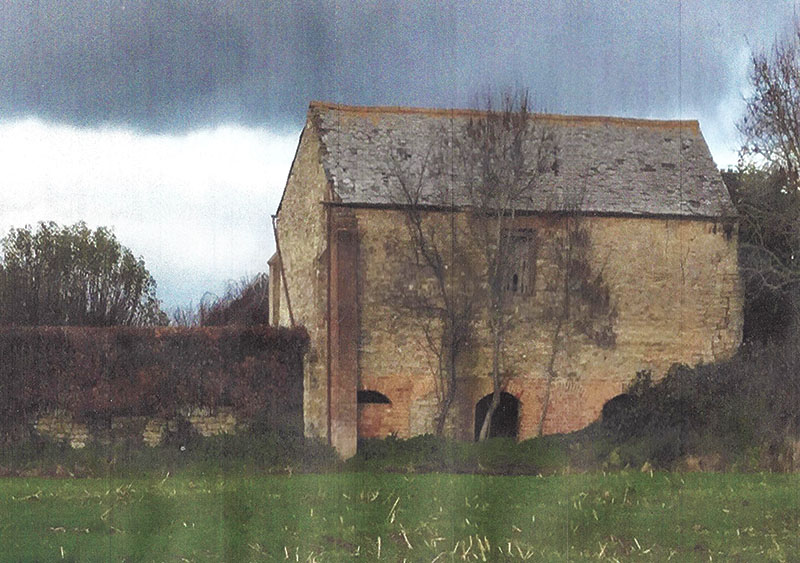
(226, 454)
(741, 415)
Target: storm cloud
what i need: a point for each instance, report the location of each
(180, 65)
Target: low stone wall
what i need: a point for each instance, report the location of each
(106, 384)
(61, 426)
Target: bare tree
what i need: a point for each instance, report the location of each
(766, 188)
(484, 173)
(245, 303)
(438, 286)
(186, 316)
(504, 156)
(771, 125)
(580, 305)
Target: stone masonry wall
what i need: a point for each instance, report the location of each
(60, 426)
(302, 231)
(674, 287)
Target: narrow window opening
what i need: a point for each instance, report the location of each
(522, 262)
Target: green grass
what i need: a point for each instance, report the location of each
(625, 516)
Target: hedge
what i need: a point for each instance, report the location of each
(99, 373)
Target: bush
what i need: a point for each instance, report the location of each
(225, 453)
(728, 409)
(429, 453)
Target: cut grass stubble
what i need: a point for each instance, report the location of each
(435, 517)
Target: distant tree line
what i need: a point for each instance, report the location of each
(244, 303)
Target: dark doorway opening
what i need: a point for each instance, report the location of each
(505, 420)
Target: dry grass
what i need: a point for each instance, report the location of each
(623, 516)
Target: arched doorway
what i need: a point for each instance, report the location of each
(374, 410)
(505, 420)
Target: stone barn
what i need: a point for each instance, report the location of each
(660, 242)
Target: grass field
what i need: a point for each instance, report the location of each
(625, 516)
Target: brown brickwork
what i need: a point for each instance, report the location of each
(343, 379)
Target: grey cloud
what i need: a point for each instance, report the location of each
(178, 65)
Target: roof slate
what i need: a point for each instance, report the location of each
(619, 165)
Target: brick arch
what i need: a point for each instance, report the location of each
(505, 421)
(370, 397)
(374, 414)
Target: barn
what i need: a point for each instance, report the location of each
(640, 202)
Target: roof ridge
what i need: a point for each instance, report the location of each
(553, 117)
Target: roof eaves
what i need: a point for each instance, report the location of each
(577, 120)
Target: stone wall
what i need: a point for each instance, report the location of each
(83, 384)
(302, 232)
(674, 287)
(61, 426)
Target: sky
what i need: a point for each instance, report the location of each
(175, 122)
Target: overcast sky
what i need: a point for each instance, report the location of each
(175, 122)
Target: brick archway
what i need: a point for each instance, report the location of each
(505, 421)
(374, 414)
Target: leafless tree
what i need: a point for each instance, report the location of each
(504, 156)
(245, 303)
(438, 286)
(771, 125)
(766, 188)
(483, 174)
(580, 305)
(187, 315)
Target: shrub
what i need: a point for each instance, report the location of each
(728, 409)
(430, 453)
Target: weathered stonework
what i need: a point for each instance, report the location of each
(210, 422)
(154, 431)
(60, 426)
(302, 227)
(671, 275)
(674, 285)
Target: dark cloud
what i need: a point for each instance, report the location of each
(177, 65)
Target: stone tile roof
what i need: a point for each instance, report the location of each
(619, 165)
